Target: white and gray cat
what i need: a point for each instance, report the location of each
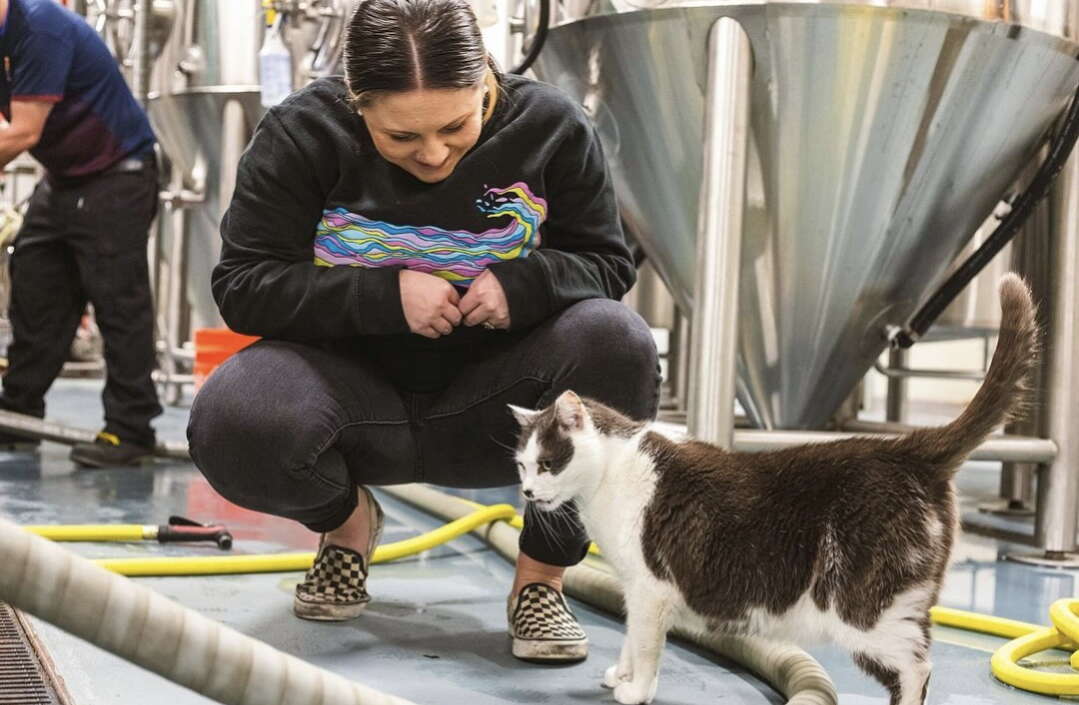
(845, 542)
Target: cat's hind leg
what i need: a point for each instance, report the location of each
(907, 679)
(896, 653)
(649, 611)
(895, 650)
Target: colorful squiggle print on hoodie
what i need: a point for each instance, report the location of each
(346, 238)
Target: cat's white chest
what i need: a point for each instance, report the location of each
(609, 531)
(615, 518)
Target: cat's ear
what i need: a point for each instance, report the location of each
(523, 416)
(571, 412)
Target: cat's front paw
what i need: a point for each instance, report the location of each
(612, 678)
(635, 692)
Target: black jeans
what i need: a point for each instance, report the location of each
(79, 243)
(291, 429)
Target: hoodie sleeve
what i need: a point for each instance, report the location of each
(267, 282)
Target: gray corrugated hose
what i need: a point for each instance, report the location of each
(787, 668)
(145, 628)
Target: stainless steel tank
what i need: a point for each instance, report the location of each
(204, 105)
(883, 135)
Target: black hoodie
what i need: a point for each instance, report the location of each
(312, 190)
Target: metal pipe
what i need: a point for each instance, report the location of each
(1017, 486)
(898, 358)
(719, 233)
(33, 427)
(1058, 484)
(1030, 257)
(893, 372)
(140, 47)
(1013, 448)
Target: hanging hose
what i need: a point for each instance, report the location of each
(538, 39)
(1059, 151)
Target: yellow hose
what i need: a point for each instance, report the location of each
(287, 562)
(93, 532)
(986, 624)
(1027, 639)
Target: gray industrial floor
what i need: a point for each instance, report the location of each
(435, 632)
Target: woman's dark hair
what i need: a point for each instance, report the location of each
(400, 45)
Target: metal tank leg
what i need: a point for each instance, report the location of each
(719, 234)
(140, 48)
(1058, 482)
(896, 411)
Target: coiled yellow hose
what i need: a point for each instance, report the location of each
(1027, 639)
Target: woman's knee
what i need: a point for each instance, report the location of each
(608, 353)
(261, 412)
(605, 333)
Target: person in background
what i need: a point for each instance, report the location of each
(85, 233)
(420, 245)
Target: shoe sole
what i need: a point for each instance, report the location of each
(317, 612)
(535, 651)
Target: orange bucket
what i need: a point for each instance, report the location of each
(212, 347)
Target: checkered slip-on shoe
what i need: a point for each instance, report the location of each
(543, 628)
(335, 587)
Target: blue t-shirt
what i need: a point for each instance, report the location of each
(51, 54)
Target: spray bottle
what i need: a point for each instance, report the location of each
(275, 61)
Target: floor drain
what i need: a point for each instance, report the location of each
(24, 679)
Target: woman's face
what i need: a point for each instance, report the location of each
(426, 131)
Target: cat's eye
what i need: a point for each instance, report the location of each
(545, 465)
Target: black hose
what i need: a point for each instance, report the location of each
(1059, 151)
(538, 40)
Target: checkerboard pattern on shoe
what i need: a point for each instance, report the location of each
(541, 613)
(336, 577)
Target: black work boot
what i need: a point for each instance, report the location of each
(109, 451)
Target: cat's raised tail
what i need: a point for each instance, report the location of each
(1003, 394)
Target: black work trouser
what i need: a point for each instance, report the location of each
(291, 429)
(86, 242)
